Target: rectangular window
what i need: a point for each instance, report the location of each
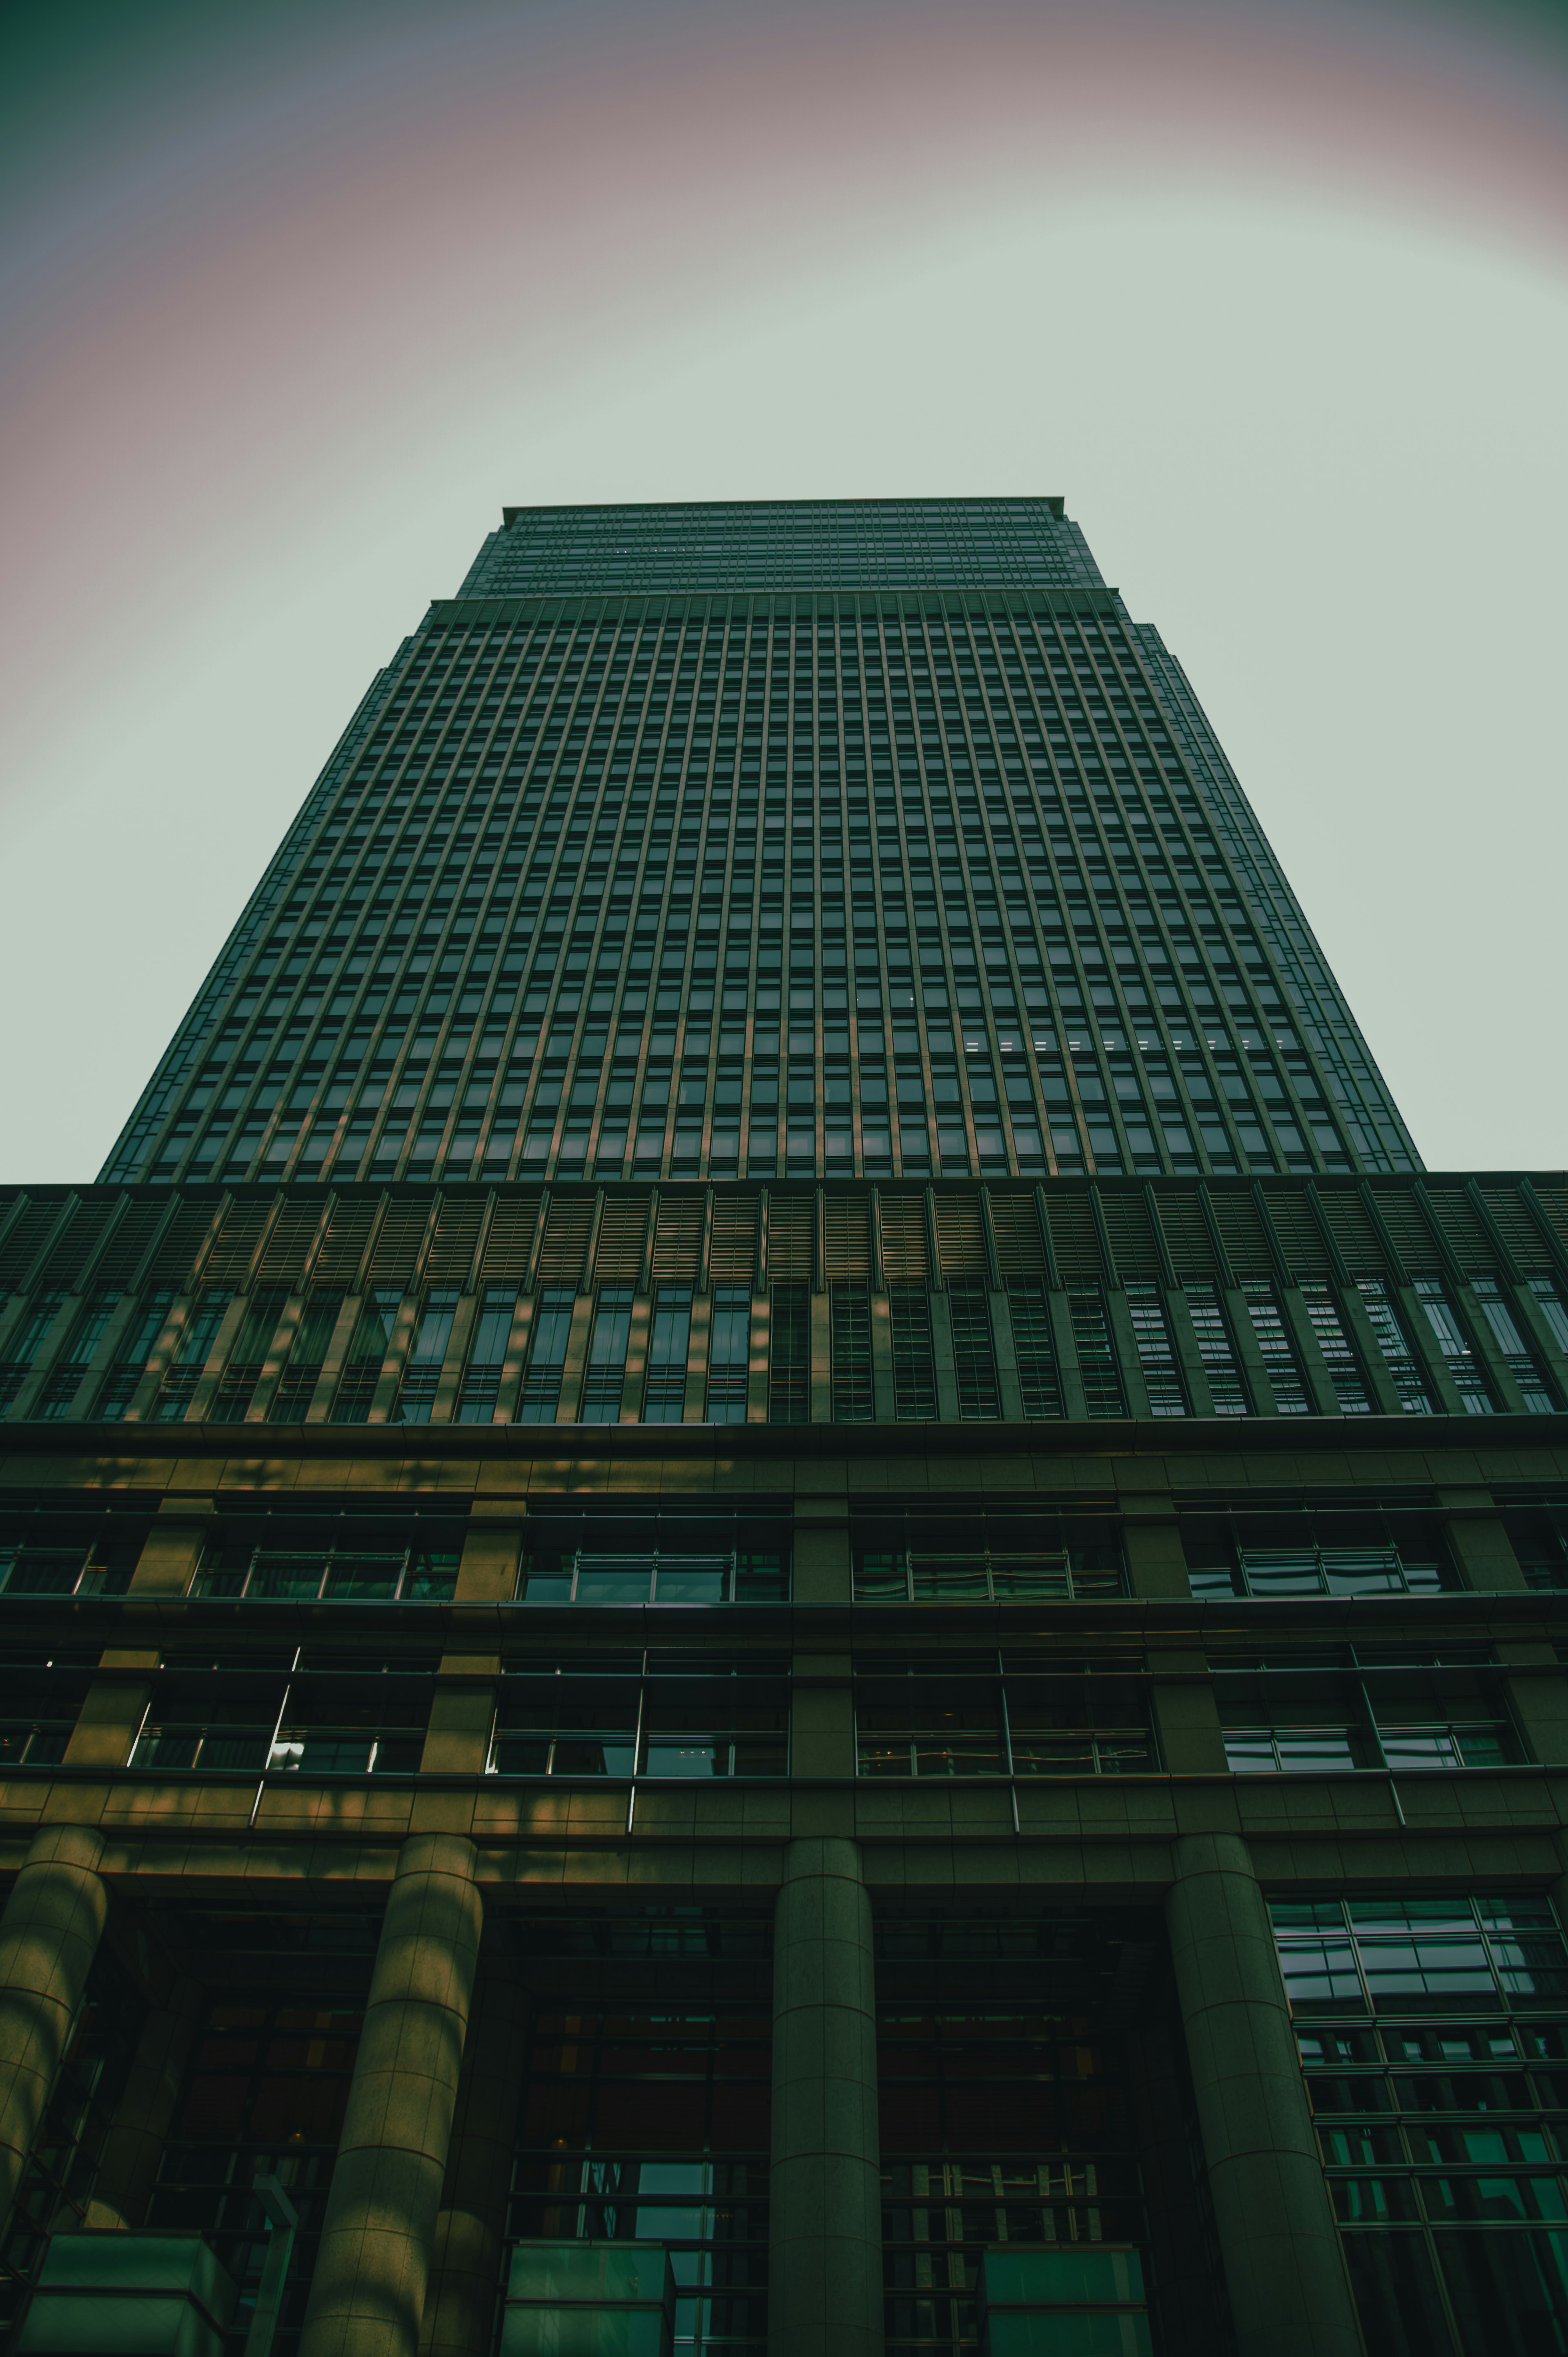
(974, 1357)
(1096, 1356)
(1151, 1334)
(1495, 1309)
(1408, 1380)
(1273, 1342)
(1343, 1372)
(547, 1354)
(914, 1367)
(1553, 1310)
(692, 1560)
(1028, 1305)
(23, 1348)
(789, 1355)
(340, 1562)
(729, 1354)
(1430, 2033)
(1214, 1348)
(191, 1353)
(693, 1714)
(1454, 1345)
(969, 1721)
(1322, 1555)
(70, 1369)
(367, 1354)
(606, 1378)
(850, 1314)
(669, 1346)
(243, 1368)
(487, 1355)
(985, 1559)
(302, 1369)
(422, 1369)
(119, 1386)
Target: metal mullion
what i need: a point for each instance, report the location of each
(636, 1742)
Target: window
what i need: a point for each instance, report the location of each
(1551, 1309)
(656, 1713)
(1408, 1380)
(1323, 1554)
(669, 1346)
(58, 1555)
(914, 1367)
(647, 2111)
(974, 1359)
(1096, 1358)
(307, 1356)
(606, 1377)
(1304, 1722)
(654, 1559)
(1431, 2034)
(547, 1354)
(729, 1353)
(985, 1559)
(789, 1355)
(422, 1369)
(1493, 1308)
(1273, 1342)
(191, 1353)
(367, 1354)
(850, 1340)
(995, 1715)
(343, 1562)
(1454, 1345)
(1337, 1356)
(487, 1355)
(1152, 1337)
(124, 1379)
(1029, 1307)
(1214, 1348)
(38, 1717)
(247, 1354)
(23, 1347)
(70, 1369)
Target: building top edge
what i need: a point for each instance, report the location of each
(915, 500)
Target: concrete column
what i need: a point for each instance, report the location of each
(49, 1932)
(825, 2258)
(1290, 2295)
(460, 2309)
(367, 2297)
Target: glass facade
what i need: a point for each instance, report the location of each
(695, 842)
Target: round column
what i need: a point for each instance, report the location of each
(367, 2295)
(49, 1932)
(825, 2252)
(1290, 2295)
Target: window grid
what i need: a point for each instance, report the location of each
(1428, 2030)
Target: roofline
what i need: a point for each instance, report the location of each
(1056, 504)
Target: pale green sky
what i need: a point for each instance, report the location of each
(1319, 445)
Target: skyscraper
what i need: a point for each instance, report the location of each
(883, 757)
(1050, 1851)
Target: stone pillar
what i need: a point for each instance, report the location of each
(1290, 2295)
(460, 2309)
(49, 1932)
(825, 2257)
(367, 2297)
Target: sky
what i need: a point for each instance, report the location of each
(293, 299)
